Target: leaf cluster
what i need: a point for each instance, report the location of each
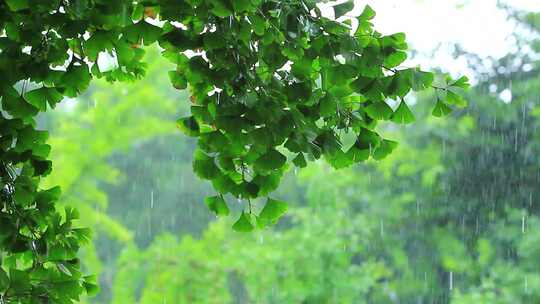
(272, 83)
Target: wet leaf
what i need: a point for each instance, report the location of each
(243, 224)
(272, 211)
(217, 205)
(403, 114)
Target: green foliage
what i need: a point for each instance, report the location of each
(449, 217)
(106, 123)
(245, 104)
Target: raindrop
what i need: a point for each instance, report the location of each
(516, 140)
(451, 280)
(151, 199)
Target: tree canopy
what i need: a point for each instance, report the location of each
(272, 84)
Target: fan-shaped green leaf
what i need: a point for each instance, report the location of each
(343, 8)
(271, 160)
(403, 114)
(243, 224)
(441, 109)
(395, 59)
(217, 205)
(379, 110)
(272, 211)
(386, 147)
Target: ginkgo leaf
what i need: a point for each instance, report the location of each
(403, 114)
(343, 8)
(368, 13)
(386, 147)
(395, 59)
(243, 224)
(270, 160)
(75, 80)
(204, 166)
(441, 109)
(300, 160)
(99, 41)
(272, 211)
(421, 80)
(379, 110)
(462, 82)
(217, 205)
(144, 31)
(40, 97)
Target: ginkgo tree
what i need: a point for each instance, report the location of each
(272, 84)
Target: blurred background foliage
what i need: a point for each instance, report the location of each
(452, 216)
